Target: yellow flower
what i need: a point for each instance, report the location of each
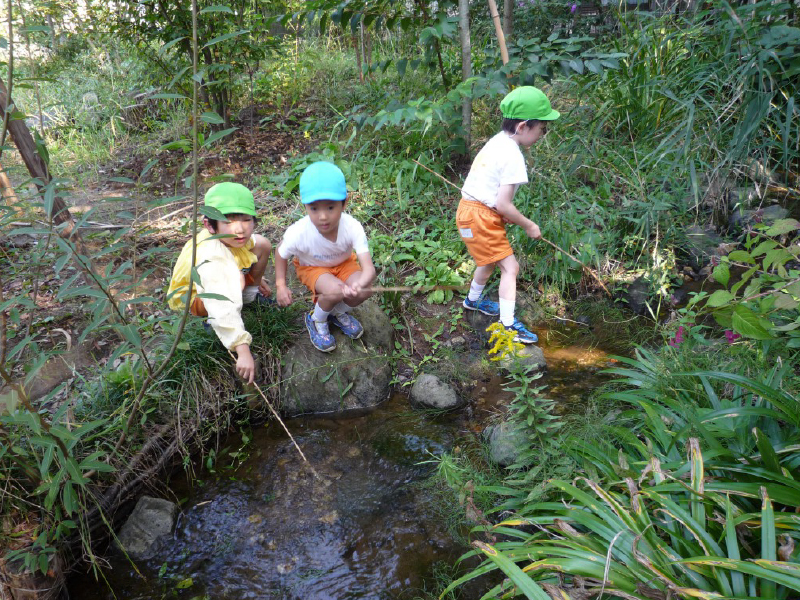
(502, 341)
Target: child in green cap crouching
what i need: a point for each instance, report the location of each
(231, 266)
(487, 204)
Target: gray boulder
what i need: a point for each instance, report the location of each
(529, 356)
(150, 522)
(506, 443)
(431, 392)
(355, 375)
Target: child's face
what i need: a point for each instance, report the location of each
(240, 226)
(325, 215)
(528, 135)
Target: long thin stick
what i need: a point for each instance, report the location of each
(277, 416)
(376, 289)
(545, 240)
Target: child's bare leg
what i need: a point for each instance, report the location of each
(509, 268)
(262, 251)
(479, 279)
(482, 274)
(329, 291)
(363, 295)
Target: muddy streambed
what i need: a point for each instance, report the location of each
(368, 527)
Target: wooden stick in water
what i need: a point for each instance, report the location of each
(277, 416)
(417, 289)
(545, 240)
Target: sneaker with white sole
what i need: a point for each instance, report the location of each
(524, 336)
(322, 341)
(484, 305)
(348, 324)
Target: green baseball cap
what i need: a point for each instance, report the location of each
(527, 102)
(231, 198)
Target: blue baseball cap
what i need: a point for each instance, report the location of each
(322, 181)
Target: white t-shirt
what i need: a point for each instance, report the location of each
(500, 162)
(304, 241)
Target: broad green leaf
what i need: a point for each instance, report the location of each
(783, 226)
(720, 298)
(748, 324)
(212, 118)
(219, 134)
(210, 296)
(722, 274)
(216, 9)
(227, 36)
(741, 256)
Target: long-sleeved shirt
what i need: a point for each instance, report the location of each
(220, 268)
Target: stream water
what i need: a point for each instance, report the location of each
(366, 527)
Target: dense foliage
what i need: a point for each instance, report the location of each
(685, 482)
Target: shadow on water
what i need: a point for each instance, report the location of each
(367, 528)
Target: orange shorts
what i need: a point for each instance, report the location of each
(483, 231)
(308, 275)
(197, 307)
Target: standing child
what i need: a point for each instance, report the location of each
(488, 204)
(325, 244)
(231, 266)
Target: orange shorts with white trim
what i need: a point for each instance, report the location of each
(308, 275)
(483, 231)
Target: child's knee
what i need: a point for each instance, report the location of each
(262, 246)
(509, 266)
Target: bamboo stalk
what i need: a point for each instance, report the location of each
(501, 39)
(545, 240)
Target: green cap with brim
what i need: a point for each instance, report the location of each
(527, 102)
(231, 198)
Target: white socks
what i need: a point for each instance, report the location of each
(320, 318)
(475, 291)
(249, 294)
(341, 308)
(507, 312)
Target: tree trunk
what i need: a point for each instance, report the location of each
(9, 195)
(357, 46)
(508, 17)
(22, 138)
(466, 68)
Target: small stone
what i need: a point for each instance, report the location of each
(430, 391)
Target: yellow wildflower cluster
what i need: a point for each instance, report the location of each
(502, 341)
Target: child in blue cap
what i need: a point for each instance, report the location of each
(325, 245)
(487, 204)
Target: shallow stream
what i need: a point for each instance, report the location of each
(367, 527)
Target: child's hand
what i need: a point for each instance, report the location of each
(245, 365)
(353, 290)
(284, 295)
(264, 288)
(533, 231)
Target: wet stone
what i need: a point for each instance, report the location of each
(150, 522)
(505, 442)
(431, 392)
(355, 375)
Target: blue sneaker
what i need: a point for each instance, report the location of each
(324, 342)
(348, 324)
(264, 300)
(484, 305)
(523, 335)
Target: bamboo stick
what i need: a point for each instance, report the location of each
(545, 240)
(277, 416)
